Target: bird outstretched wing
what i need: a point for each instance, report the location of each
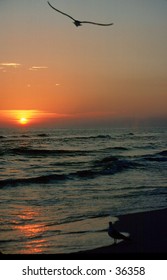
(97, 23)
(78, 22)
(60, 11)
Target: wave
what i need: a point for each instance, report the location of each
(33, 180)
(43, 135)
(7, 240)
(1, 152)
(163, 153)
(83, 231)
(43, 152)
(100, 136)
(25, 136)
(105, 160)
(106, 166)
(117, 148)
(115, 160)
(75, 232)
(159, 157)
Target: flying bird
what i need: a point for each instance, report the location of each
(112, 232)
(78, 22)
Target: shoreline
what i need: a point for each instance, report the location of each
(148, 233)
(147, 230)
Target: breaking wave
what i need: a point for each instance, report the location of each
(159, 157)
(106, 166)
(42, 152)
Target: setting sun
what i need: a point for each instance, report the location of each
(23, 121)
(21, 117)
(29, 117)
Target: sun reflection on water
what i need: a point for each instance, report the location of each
(29, 229)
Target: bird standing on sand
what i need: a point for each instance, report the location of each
(78, 22)
(112, 232)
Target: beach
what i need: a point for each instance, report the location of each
(147, 230)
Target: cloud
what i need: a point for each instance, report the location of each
(35, 68)
(5, 65)
(10, 64)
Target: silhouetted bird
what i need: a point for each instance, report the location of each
(115, 234)
(78, 22)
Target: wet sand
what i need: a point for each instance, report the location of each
(147, 230)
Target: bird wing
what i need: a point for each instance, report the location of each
(96, 23)
(60, 11)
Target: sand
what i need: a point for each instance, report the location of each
(148, 232)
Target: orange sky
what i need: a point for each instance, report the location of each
(94, 73)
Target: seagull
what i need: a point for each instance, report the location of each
(112, 232)
(78, 22)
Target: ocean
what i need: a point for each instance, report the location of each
(59, 188)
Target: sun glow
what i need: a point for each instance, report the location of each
(24, 117)
(23, 121)
(29, 117)
(21, 117)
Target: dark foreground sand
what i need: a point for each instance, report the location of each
(148, 232)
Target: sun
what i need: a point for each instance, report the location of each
(23, 121)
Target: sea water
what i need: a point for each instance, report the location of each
(59, 188)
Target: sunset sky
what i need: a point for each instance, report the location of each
(53, 72)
